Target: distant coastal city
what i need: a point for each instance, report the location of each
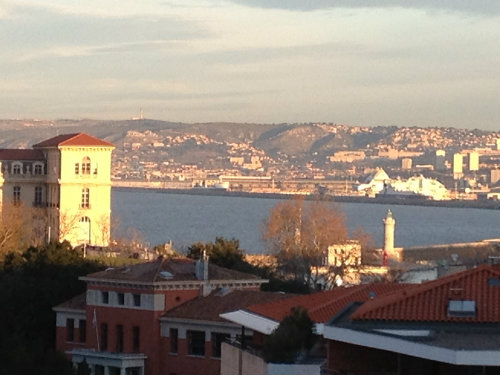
(249, 187)
(403, 165)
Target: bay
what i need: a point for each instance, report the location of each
(186, 219)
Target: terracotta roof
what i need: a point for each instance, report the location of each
(168, 269)
(323, 306)
(210, 307)
(429, 301)
(75, 139)
(76, 303)
(20, 154)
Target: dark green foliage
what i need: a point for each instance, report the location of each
(227, 253)
(293, 335)
(31, 284)
(223, 252)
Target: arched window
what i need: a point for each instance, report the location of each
(86, 165)
(38, 169)
(17, 168)
(85, 202)
(84, 235)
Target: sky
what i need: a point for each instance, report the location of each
(354, 62)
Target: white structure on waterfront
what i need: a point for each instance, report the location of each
(419, 186)
(389, 230)
(416, 186)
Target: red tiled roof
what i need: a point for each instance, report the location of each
(209, 308)
(20, 154)
(429, 301)
(177, 269)
(323, 306)
(75, 139)
(78, 302)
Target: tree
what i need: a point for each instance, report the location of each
(223, 252)
(299, 234)
(12, 229)
(33, 282)
(293, 335)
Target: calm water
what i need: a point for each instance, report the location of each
(186, 219)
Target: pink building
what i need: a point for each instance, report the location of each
(129, 321)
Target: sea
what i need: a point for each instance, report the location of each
(183, 219)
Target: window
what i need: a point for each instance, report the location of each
(136, 337)
(38, 196)
(17, 168)
(104, 336)
(83, 330)
(105, 297)
(217, 340)
(70, 329)
(174, 335)
(119, 338)
(137, 300)
(465, 308)
(77, 168)
(17, 195)
(196, 342)
(121, 299)
(86, 165)
(38, 169)
(85, 203)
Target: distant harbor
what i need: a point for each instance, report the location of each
(388, 200)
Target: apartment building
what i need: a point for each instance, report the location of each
(159, 317)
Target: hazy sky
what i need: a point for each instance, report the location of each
(357, 62)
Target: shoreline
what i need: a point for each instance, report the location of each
(480, 204)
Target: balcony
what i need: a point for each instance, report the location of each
(107, 363)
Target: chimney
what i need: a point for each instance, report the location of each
(202, 273)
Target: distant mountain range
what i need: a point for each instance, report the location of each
(300, 142)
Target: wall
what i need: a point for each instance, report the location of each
(98, 181)
(237, 361)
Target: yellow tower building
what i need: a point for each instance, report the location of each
(67, 179)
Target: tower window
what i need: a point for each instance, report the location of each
(17, 195)
(17, 168)
(85, 203)
(86, 165)
(38, 196)
(77, 168)
(38, 169)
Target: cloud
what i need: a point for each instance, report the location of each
(481, 7)
(31, 31)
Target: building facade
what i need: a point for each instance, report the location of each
(159, 317)
(63, 187)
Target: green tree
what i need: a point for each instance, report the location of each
(33, 282)
(293, 335)
(223, 252)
